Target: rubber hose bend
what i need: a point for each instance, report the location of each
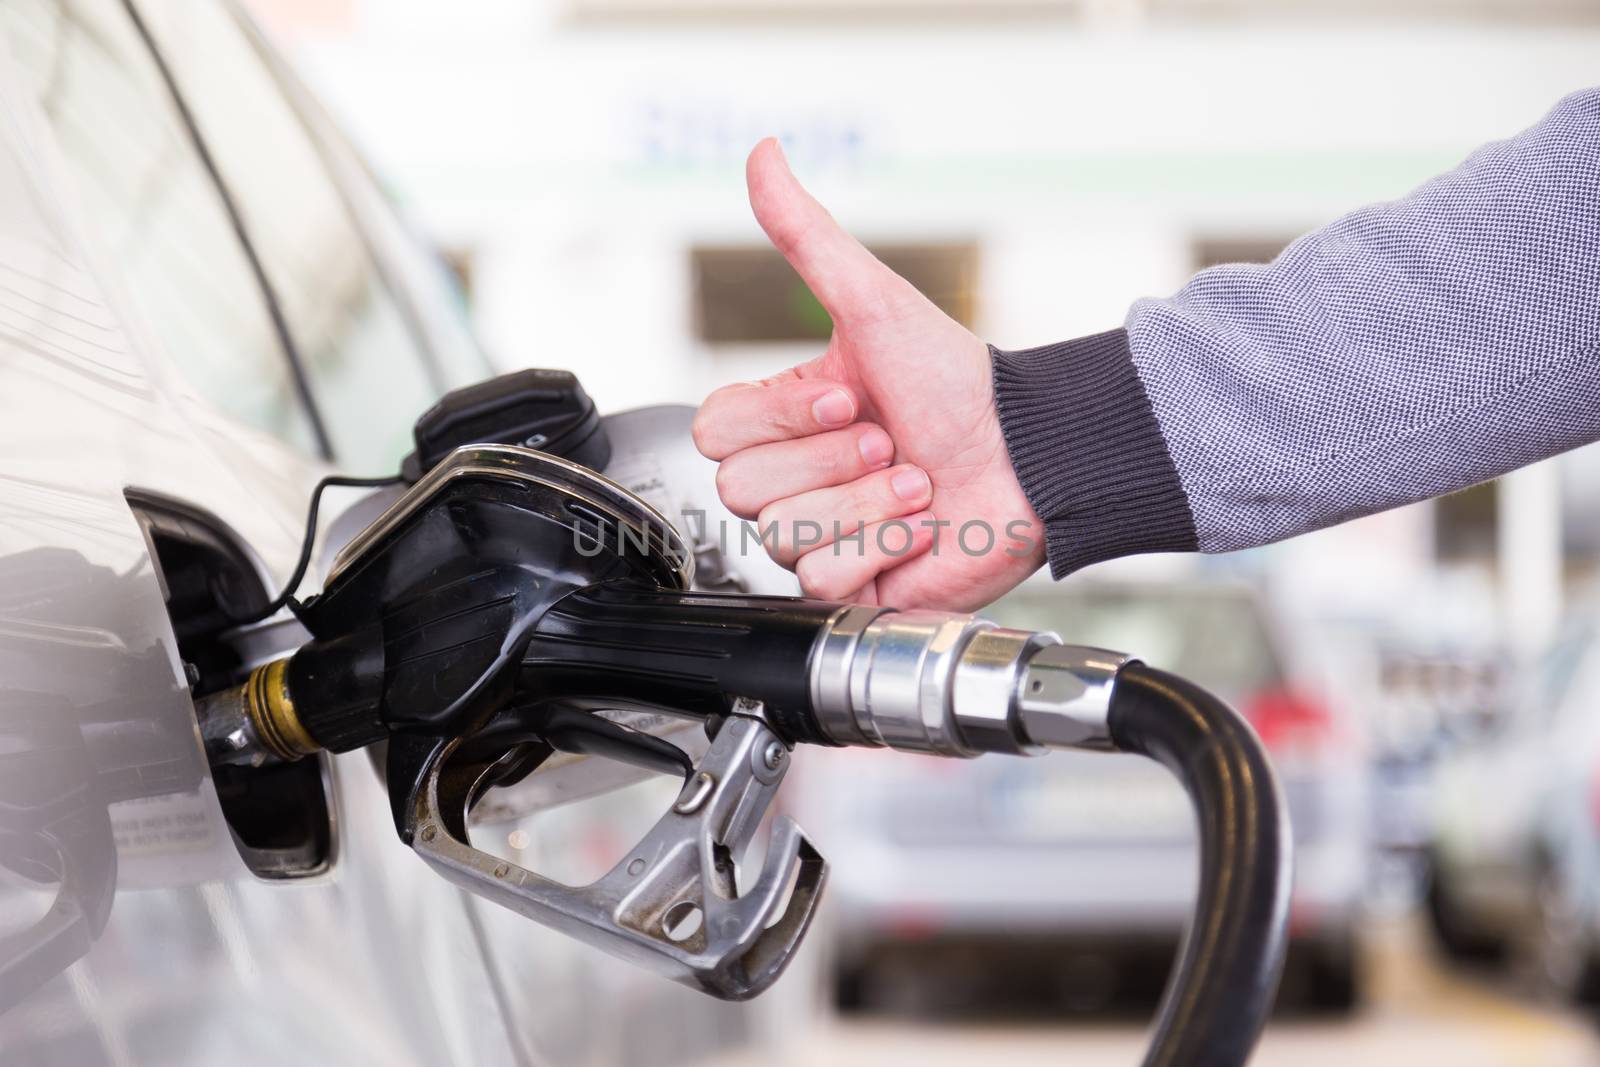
(1222, 988)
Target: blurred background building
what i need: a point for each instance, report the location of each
(1034, 166)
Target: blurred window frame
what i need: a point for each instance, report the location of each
(369, 367)
(268, 392)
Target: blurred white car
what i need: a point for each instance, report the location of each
(1515, 859)
(1074, 873)
(205, 306)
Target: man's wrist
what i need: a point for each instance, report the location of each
(1088, 451)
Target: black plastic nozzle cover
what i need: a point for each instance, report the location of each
(543, 409)
(692, 652)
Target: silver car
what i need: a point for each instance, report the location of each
(205, 306)
(1515, 857)
(1074, 873)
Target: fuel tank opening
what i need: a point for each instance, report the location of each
(279, 813)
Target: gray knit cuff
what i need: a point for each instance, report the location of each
(1089, 452)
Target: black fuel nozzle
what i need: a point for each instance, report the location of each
(408, 633)
(696, 652)
(425, 615)
(421, 639)
(510, 599)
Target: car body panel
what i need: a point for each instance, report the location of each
(131, 931)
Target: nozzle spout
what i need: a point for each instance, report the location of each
(255, 722)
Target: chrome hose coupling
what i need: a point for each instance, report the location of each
(957, 685)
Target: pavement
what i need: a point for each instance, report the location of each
(1419, 1012)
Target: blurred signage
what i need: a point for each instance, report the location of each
(692, 133)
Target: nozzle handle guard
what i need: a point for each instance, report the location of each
(672, 903)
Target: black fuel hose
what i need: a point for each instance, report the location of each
(1222, 987)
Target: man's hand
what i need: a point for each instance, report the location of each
(893, 427)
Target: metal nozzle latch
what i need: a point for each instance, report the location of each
(671, 904)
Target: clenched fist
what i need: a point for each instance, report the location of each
(876, 471)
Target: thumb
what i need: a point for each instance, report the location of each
(846, 278)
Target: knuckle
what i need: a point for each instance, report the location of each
(831, 459)
(846, 459)
(702, 434)
(709, 428)
(728, 485)
(778, 422)
(733, 491)
(771, 528)
(829, 463)
(874, 500)
(814, 576)
(824, 583)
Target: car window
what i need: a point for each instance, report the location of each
(371, 374)
(1218, 638)
(146, 194)
(1554, 678)
(433, 290)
